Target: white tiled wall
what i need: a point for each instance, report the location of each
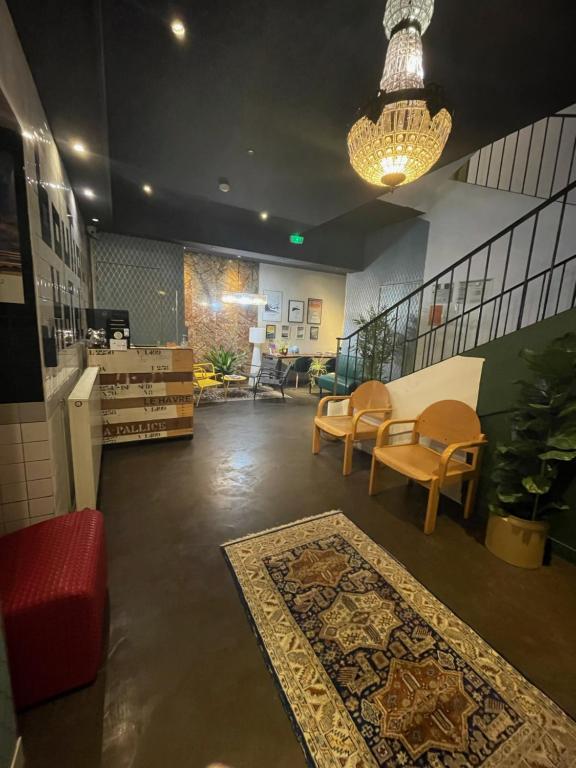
(34, 436)
(27, 487)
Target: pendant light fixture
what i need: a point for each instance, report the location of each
(403, 131)
(244, 298)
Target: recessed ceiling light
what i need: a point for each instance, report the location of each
(79, 148)
(264, 215)
(178, 29)
(224, 185)
(89, 193)
(250, 151)
(96, 221)
(147, 189)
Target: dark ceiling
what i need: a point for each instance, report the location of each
(281, 78)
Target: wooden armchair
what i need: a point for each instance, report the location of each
(369, 399)
(450, 423)
(204, 376)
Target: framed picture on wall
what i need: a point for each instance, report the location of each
(300, 332)
(314, 333)
(285, 331)
(295, 311)
(314, 312)
(270, 332)
(273, 307)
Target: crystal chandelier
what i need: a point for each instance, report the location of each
(403, 131)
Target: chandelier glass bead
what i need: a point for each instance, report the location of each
(399, 11)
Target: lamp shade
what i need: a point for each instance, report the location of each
(257, 335)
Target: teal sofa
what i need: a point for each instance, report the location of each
(346, 382)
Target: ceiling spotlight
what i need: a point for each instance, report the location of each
(79, 148)
(264, 215)
(178, 29)
(96, 221)
(250, 151)
(89, 193)
(147, 189)
(27, 135)
(224, 185)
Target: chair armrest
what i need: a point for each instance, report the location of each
(327, 399)
(384, 428)
(450, 450)
(366, 412)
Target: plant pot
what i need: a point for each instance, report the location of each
(517, 541)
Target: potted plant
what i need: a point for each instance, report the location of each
(533, 470)
(226, 362)
(375, 343)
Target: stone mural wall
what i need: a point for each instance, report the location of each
(210, 322)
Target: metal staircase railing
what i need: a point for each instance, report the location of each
(523, 274)
(538, 160)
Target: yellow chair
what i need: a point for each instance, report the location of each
(370, 398)
(452, 424)
(205, 376)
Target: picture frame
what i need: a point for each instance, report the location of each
(270, 332)
(285, 332)
(314, 332)
(314, 314)
(300, 330)
(273, 307)
(296, 311)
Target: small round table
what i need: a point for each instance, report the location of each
(233, 377)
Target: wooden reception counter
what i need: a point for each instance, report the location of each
(147, 393)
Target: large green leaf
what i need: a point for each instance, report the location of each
(564, 441)
(557, 505)
(537, 484)
(511, 498)
(558, 456)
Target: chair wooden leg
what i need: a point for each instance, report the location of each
(470, 496)
(432, 509)
(348, 451)
(373, 476)
(315, 440)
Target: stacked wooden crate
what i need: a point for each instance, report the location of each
(147, 393)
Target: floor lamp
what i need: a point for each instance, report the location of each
(257, 336)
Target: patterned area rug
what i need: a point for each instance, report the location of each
(239, 394)
(374, 670)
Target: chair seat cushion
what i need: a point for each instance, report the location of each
(340, 426)
(204, 383)
(418, 462)
(343, 386)
(53, 593)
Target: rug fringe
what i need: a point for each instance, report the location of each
(281, 527)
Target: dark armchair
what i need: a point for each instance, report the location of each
(272, 374)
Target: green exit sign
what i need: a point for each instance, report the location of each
(297, 239)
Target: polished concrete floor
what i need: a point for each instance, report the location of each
(185, 683)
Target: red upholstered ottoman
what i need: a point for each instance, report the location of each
(53, 594)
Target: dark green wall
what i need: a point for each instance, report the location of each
(498, 393)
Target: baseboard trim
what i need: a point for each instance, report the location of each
(18, 758)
